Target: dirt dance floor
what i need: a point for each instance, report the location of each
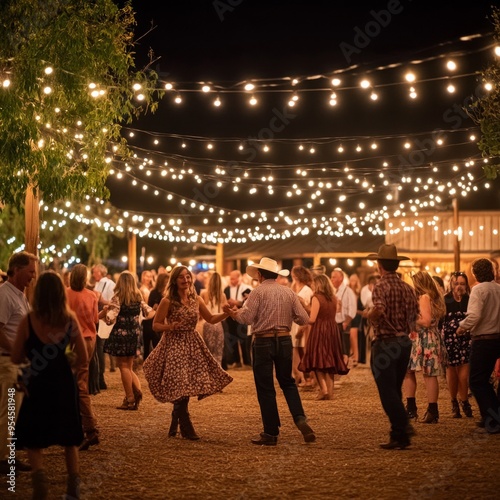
(136, 459)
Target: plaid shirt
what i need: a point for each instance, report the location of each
(272, 306)
(398, 303)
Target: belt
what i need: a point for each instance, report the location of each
(272, 334)
(487, 336)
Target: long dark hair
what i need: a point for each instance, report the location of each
(50, 303)
(172, 292)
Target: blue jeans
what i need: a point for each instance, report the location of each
(389, 363)
(269, 354)
(483, 356)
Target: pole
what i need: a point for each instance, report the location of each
(132, 253)
(458, 235)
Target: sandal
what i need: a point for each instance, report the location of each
(127, 405)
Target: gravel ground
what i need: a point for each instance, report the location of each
(136, 459)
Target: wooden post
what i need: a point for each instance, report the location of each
(132, 253)
(31, 232)
(219, 258)
(458, 236)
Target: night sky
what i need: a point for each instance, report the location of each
(228, 42)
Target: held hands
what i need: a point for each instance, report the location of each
(229, 310)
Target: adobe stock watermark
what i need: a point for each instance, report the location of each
(224, 6)
(364, 36)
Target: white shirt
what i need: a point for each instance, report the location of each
(13, 307)
(366, 296)
(106, 288)
(348, 302)
(483, 310)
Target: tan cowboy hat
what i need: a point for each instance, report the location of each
(387, 252)
(268, 265)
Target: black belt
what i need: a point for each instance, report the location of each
(487, 336)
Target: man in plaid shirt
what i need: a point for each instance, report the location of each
(393, 315)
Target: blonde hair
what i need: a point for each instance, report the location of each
(357, 285)
(425, 284)
(126, 289)
(214, 290)
(323, 285)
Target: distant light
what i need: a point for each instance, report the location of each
(253, 101)
(365, 84)
(205, 88)
(410, 77)
(451, 65)
(336, 82)
(450, 88)
(249, 86)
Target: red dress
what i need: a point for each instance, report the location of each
(323, 351)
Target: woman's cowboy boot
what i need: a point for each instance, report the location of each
(187, 429)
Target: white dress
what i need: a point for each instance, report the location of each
(306, 294)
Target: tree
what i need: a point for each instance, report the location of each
(485, 110)
(68, 84)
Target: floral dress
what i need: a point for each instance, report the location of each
(124, 337)
(457, 346)
(181, 365)
(428, 353)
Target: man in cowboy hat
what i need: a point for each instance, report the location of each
(393, 316)
(270, 309)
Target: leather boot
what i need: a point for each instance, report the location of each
(467, 409)
(455, 409)
(187, 429)
(431, 415)
(172, 432)
(40, 485)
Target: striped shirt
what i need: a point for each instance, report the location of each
(398, 303)
(272, 306)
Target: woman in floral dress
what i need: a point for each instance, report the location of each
(428, 353)
(457, 346)
(181, 366)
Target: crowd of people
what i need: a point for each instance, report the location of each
(189, 330)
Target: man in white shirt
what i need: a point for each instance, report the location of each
(106, 289)
(13, 307)
(346, 308)
(235, 334)
(483, 322)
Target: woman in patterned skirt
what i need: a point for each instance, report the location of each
(428, 354)
(123, 341)
(181, 366)
(457, 346)
(214, 298)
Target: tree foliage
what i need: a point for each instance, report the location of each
(485, 110)
(69, 232)
(60, 140)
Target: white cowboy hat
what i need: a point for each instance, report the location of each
(387, 252)
(268, 265)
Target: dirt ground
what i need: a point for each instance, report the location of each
(136, 459)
